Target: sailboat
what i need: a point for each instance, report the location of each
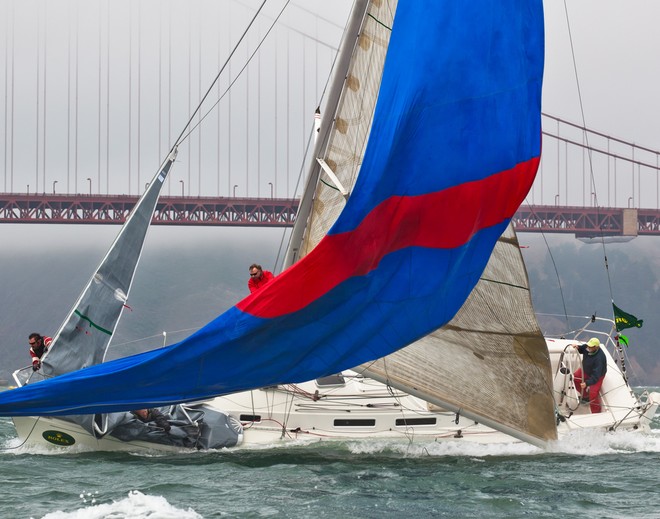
(408, 273)
(83, 340)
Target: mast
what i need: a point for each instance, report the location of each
(346, 50)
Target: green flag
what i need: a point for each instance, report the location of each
(624, 320)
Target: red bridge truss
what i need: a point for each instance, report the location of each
(86, 209)
(281, 212)
(588, 222)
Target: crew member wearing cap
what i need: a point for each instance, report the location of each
(594, 366)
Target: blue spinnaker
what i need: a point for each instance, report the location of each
(453, 150)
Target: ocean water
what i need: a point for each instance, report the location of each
(593, 474)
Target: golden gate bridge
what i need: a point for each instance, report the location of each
(582, 220)
(281, 212)
(100, 100)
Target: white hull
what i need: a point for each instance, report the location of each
(356, 408)
(359, 409)
(59, 434)
(362, 409)
(203, 429)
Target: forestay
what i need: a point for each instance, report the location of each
(452, 151)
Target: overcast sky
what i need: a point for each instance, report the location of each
(97, 61)
(616, 45)
(96, 91)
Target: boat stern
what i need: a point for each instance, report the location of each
(650, 405)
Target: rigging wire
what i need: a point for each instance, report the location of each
(27, 437)
(217, 77)
(240, 72)
(301, 173)
(589, 151)
(554, 266)
(591, 178)
(619, 350)
(183, 136)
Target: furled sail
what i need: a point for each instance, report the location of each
(452, 151)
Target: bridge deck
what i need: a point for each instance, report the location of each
(281, 212)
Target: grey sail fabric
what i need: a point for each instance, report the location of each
(490, 363)
(84, 336)
(191, 427)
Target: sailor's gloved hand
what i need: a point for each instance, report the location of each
(36, 366)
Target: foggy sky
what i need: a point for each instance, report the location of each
(75, 72)
(97, 91)
(616, 46)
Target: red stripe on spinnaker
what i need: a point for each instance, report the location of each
(442, 220)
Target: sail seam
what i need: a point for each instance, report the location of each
(92, 323)
(504, 283)
(527, 335)
(379, 22)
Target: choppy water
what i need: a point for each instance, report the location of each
(593, 474)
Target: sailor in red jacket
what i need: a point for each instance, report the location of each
(258, 277)
(38, 346)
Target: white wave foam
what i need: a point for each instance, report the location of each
(589, 442)
(18, 447)
(592, 442)
(136, 506)
(445, 448)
